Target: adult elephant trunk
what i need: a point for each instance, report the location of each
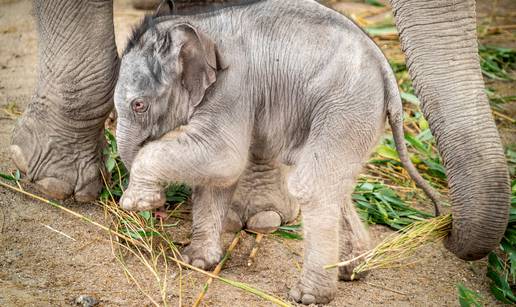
(439, 40)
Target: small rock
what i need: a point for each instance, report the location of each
(86, 301)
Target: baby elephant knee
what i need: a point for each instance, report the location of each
(227, 169)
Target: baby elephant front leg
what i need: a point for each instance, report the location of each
(146, 188)
(216, 168)
(210, 205)
(167, 161)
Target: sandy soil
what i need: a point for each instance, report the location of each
(39, 267)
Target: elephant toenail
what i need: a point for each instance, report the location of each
(308, 299)
(198, 263)
(89, 192)
(18, 158)
(54, 188)
(295, 294)
(186, 259)
(126, 202)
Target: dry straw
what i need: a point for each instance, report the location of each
(149, 251)
(401, 245)
(388, 254)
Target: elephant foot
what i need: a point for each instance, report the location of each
(60, 162)
(141, 199)
(202, 254)
(261, 202)
(308, 294)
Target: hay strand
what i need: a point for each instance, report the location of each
(218, 268)
(254, 251)
(401, 245)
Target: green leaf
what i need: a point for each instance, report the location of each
(137, 235)
(499, 294)
(378, 204)
(291, 227)
(7, 177)
(381, 31)
(423, 125)
(178, 193)
(468, 297)
(110, 164)
(426, 136)
(145, 214)
(437, 169)
(387, 152)
(497, 62)
(410, 98)
(375, 3)
(288, 235)
(366, 186)
(497, 272)
(417, 144)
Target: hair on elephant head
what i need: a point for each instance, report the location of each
(164, 75)
(161, 9)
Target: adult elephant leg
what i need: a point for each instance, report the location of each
(58, 140)
(439, 40)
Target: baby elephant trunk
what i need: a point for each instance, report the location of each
(128, 144)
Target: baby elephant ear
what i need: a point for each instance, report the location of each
(198, 57)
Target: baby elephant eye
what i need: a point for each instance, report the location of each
(139, 106)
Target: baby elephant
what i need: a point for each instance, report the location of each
(284, 80)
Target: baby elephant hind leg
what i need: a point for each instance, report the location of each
(322, 182)
(354, 241)
(320, 190)
(261, 201)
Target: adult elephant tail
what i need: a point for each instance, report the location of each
(439, 40)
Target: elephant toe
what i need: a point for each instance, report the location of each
(18, 158)
(55, 188)
(233, 222)
(89, 192)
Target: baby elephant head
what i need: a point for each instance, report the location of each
(164, 74)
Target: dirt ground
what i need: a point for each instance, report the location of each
(40, 267)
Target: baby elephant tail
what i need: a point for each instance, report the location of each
(395, 117)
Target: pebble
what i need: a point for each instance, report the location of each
(86, 301)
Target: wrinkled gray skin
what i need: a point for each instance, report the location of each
(240, 87)
(57, 142)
